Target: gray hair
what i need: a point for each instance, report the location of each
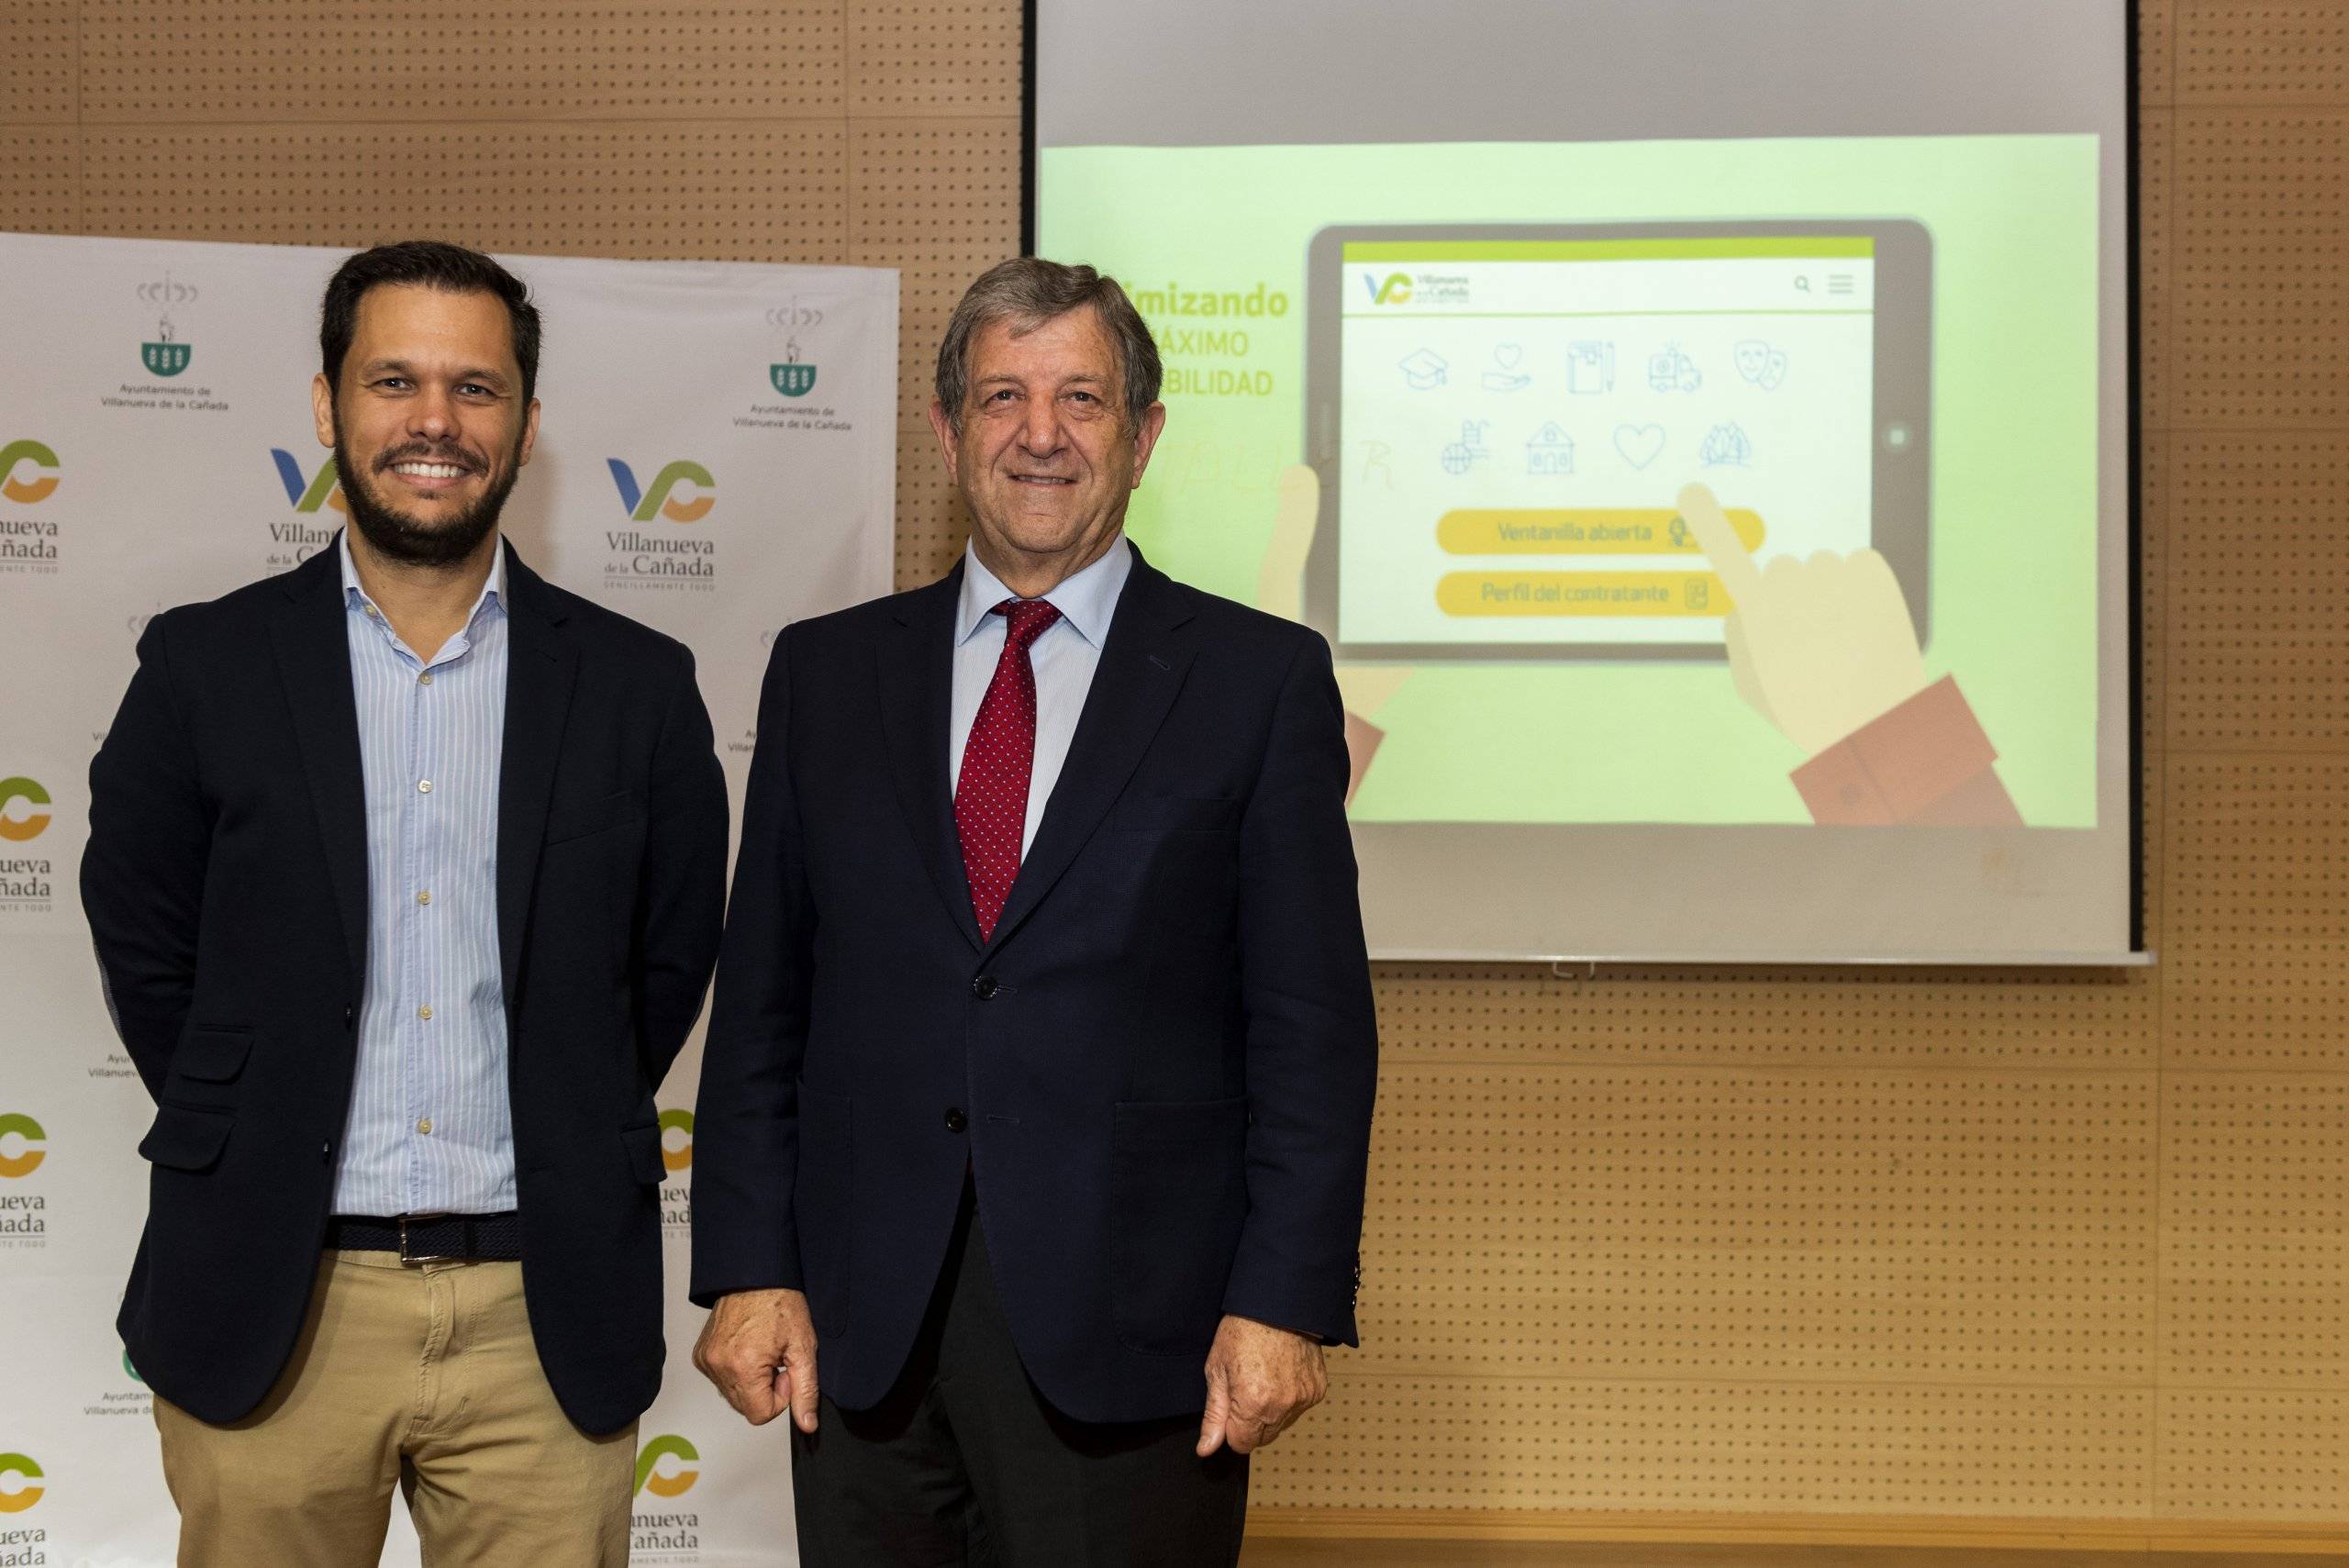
(1029, 291)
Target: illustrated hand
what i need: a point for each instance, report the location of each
(1817, 647)
(1280, 586)
(1260, 1379)
(759, 1348)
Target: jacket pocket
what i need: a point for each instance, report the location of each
(1178, 1197)
(186, 1138)
(593, 817)
(821, 1205)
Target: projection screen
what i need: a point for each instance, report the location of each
(1458, 303)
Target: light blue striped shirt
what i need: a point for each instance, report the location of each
(431, 1130)
(1063, 658)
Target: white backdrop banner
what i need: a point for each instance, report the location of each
(716, 458)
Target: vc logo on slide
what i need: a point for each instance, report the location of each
(683, 1466)
(21, 1144)
(1394, 289)
(642, 505)
(20, 1486)
(27, 472)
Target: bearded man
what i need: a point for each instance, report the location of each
(405, 871)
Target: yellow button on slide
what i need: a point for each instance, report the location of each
(1583, 530)
(1581, 594)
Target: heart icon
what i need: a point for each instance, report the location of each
(1639, 444)
(1507, 354)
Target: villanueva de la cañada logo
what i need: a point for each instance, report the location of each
(24, 1214)
(29, 474)
(677, 1155)
(666, 1468)
(23, 1146)
(27, 880)
(794, 375)
(20, 1486)
(164, 354)
(683, 492)
(676, 1159)
(312, 494)
(167, 353)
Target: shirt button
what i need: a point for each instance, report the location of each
(425, 1126)
(425, 679)
(956, 1120)
(424, 897)
(374, 614)
(425, 1012)
(424, 786)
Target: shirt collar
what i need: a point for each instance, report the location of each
(1085, 601)
(493, 592)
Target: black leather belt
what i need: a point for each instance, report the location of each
(431, 1238)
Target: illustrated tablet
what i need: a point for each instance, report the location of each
(1501, 417)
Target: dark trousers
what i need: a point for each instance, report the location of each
(966, 1463)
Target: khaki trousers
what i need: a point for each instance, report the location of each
(419, 1374)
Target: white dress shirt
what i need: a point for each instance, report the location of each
(430, 1131)
(1063, 658)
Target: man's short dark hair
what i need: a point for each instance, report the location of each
(1029, 291)
(430, 263)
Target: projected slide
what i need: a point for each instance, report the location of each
(1451, 329)
(1507, 407)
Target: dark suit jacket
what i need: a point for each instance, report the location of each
(226, 884)
(1160, 1068)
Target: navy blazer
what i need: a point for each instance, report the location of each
(226, 884)
(1160, 1070)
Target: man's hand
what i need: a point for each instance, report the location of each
(1260, 1379)
(1817, 647)
(759, 1348)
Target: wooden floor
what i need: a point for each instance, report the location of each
(1277, 1553)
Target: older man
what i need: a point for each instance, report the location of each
(405, 871)
(1038, 1090)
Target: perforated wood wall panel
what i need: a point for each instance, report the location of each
(1801, 1243)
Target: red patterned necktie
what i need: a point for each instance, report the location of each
(991, 795)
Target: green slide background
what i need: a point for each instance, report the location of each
(2013, 574)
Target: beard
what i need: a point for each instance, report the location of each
(396, 535)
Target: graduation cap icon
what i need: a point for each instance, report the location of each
(1424, 370)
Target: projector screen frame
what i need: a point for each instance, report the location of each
(2131, 677)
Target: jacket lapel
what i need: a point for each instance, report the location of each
(917, 681)
(1141, 670)
(314, 660)
(540, 667)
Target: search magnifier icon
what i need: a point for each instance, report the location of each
(1802, 283)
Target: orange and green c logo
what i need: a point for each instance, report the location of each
(642, 505)
(1396, 290)
(18, 1490)
(16, 829)
(679, 1156)
(26, 1133)
(675, 1484)
(15, 455)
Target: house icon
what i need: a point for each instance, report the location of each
(1550, 451)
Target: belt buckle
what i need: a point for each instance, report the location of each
(408, 1257)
